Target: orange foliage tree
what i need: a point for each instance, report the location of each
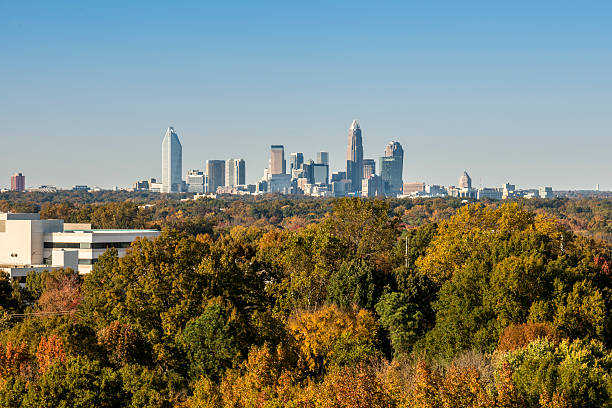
(50, 350)
(14, 359)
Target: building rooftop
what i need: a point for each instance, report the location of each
(135, 231)
(19, 216)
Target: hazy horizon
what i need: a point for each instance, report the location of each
(517, 93)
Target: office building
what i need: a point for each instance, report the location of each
(354, 157)
(28, 243)
(369, 167)
(277, 160)
(489, 193)
(18, 182)
(338, 175)
(373, 186)
(465, 181)
(320, 173)
(172, 163)
(196, 180)
(297, 173)
(414, 187)
(155, 186)
(323, 158)
(545, 192)
(279, 183)
(308, 171)
(341, 187)
(392, 168)
(140, 185)
(235, 172)
(215, 172)
(509, 191)
(296, 160)
(435, 190)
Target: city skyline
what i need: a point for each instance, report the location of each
(172, 168)
(504, 91)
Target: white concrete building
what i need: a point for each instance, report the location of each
(28, 243)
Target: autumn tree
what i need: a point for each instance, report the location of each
(62, 292)
(354, 387)
(332, 336)
(365, 227)
(123, 344)
(50, 351)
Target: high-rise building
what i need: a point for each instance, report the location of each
(323, 158)
(394, 149)
(172, 163)
(338, 175)
(354, 157)
(308, 171)
(369, 167)
(235, 172)
(391, 168)
(465, 181)
(296, 160)
(320, 173)
(18, 182)
(277, 160)
(195, 181)
(373, 186)
(215, 171)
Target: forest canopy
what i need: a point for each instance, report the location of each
(339, 303)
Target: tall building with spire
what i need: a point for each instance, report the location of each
(172, 163)
(354, 157)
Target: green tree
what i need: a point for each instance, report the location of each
(211, 341)
(80, 383)
(401, 319)
(356, 283)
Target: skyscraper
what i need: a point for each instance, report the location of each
(354, 157)
(18, 182)
(308, 172)
(465, 181)
(391, 168)
(277, 160)
(172, 163)
(215, 171)
(296, 160)
(323, 158)
(235, 172)
(320, 173)
(369, 168)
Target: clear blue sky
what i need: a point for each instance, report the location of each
(515, 91)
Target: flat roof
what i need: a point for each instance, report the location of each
(130, 231)
(20, 216)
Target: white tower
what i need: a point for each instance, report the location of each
(172, 163)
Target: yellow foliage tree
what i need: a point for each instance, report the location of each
(321, 334)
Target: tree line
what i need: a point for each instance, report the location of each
(491, 306)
